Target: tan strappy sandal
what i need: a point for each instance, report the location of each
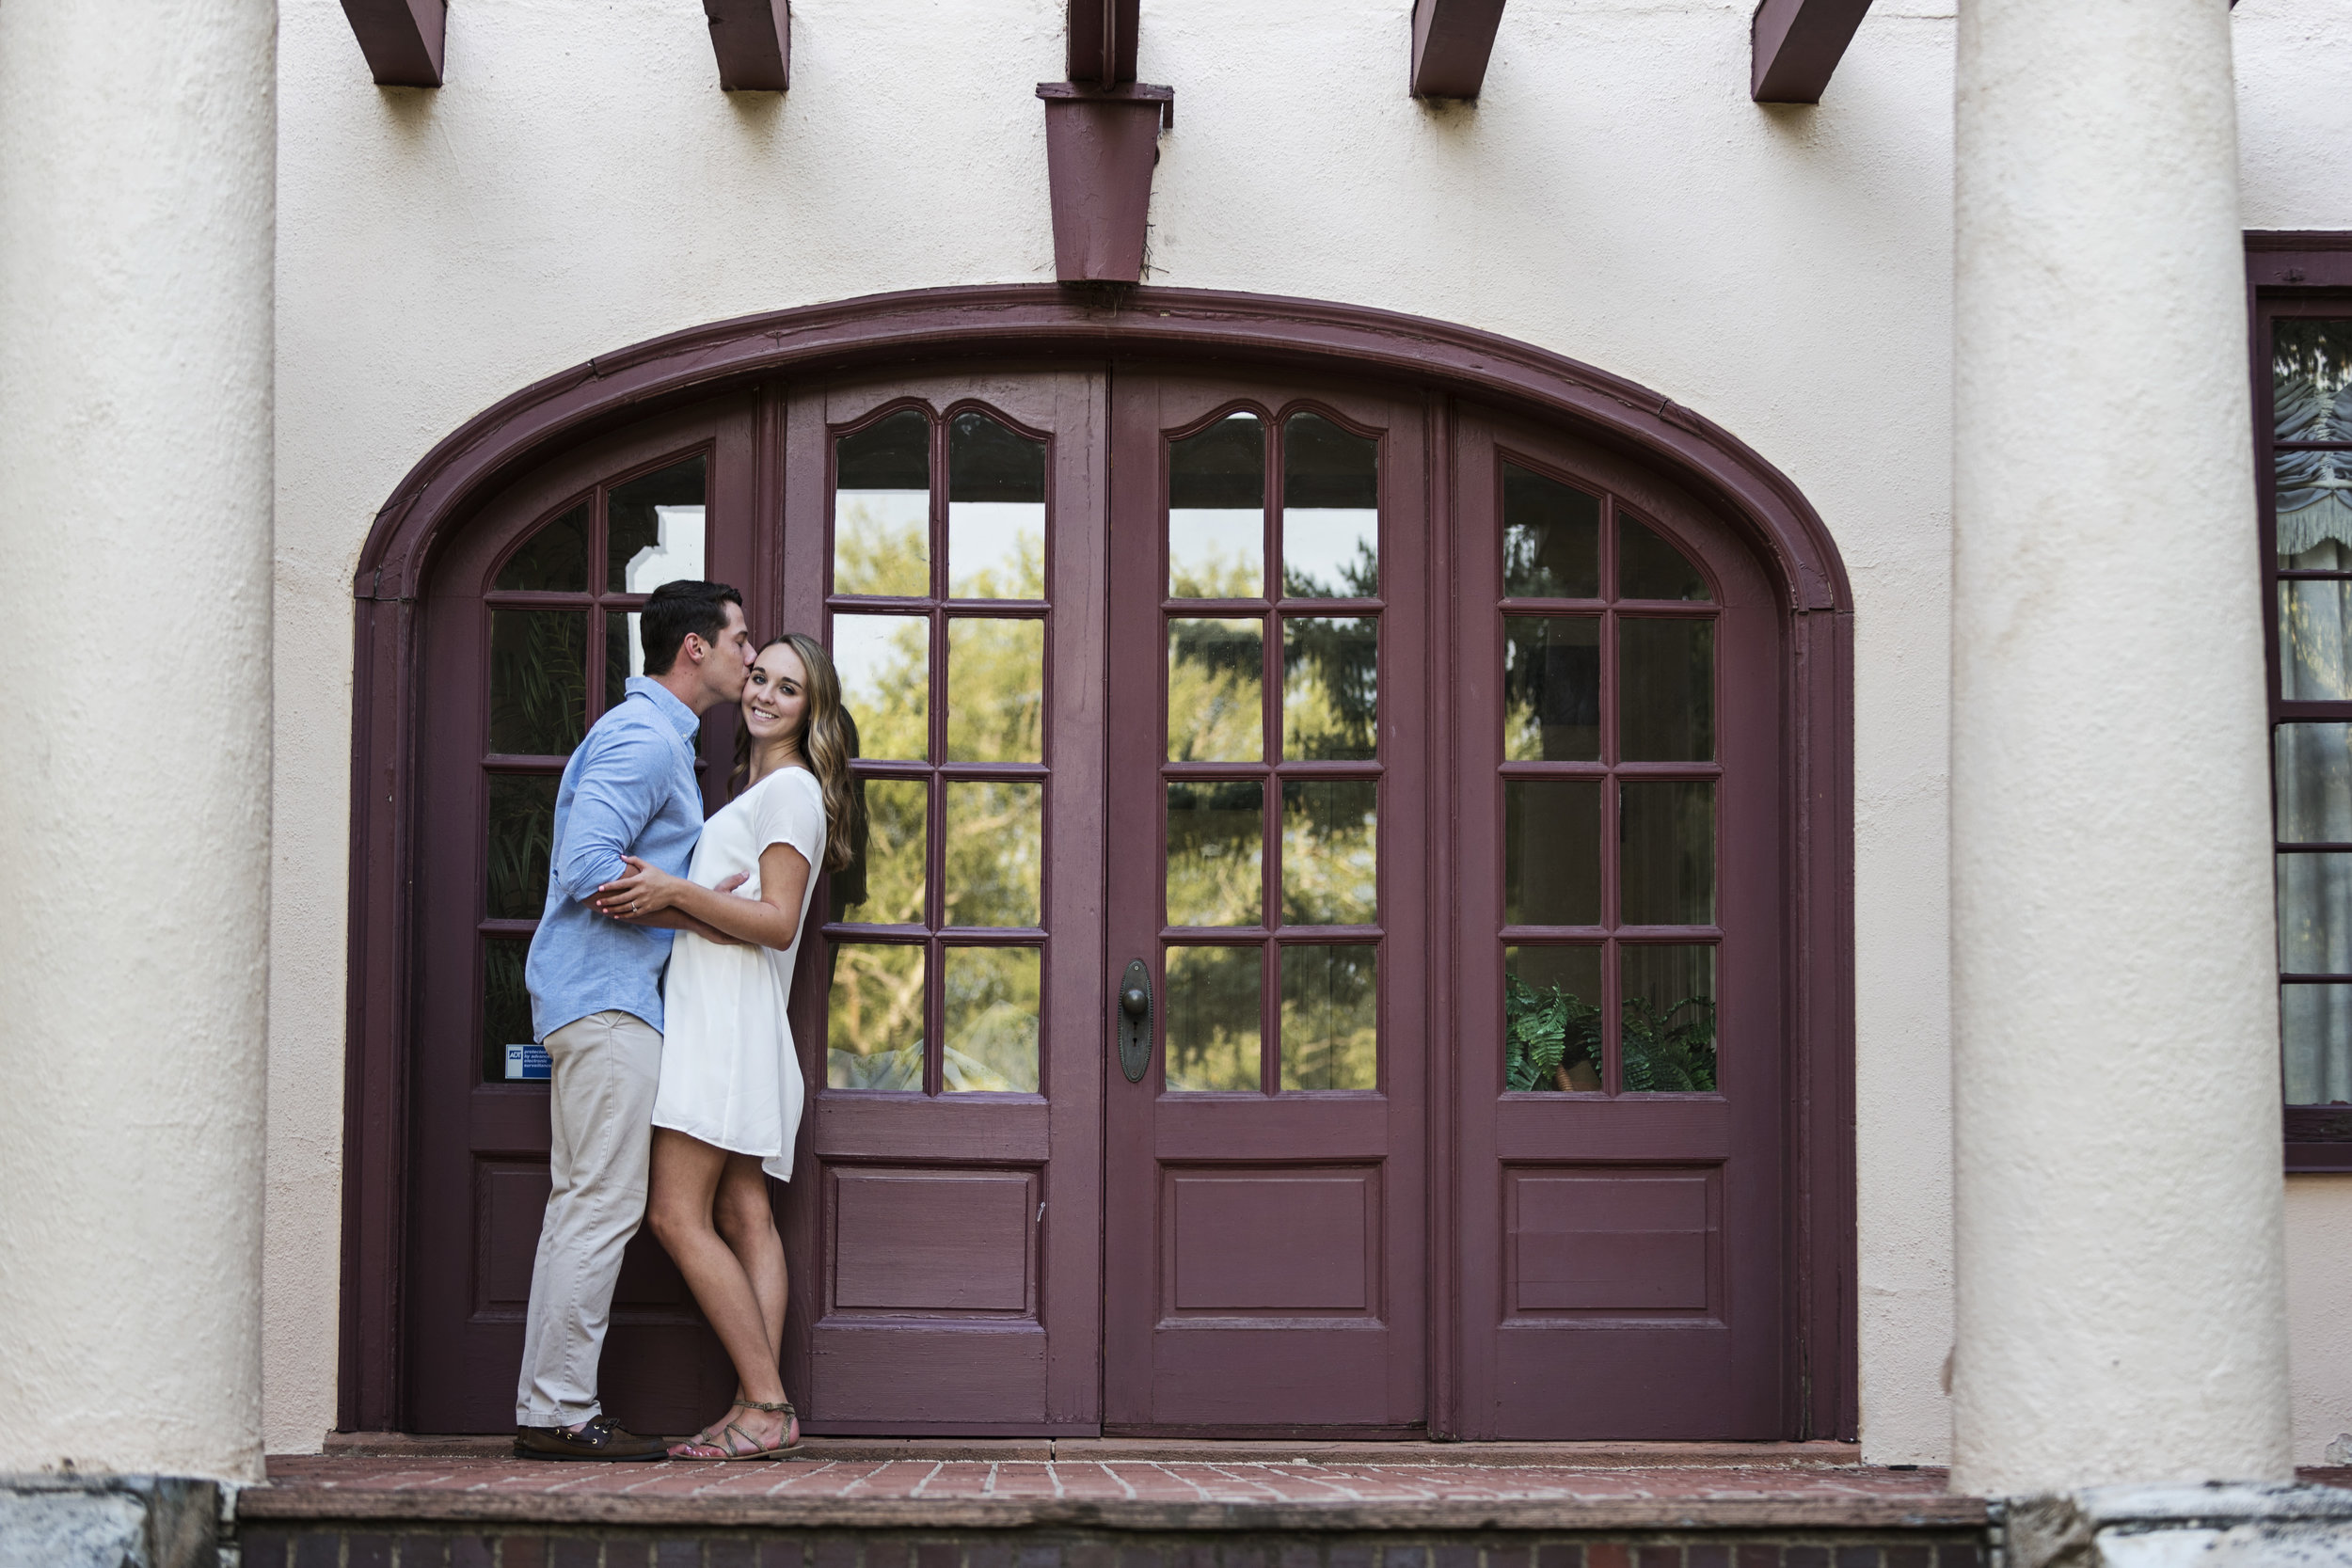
(724, 1449)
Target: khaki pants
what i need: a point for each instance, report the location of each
(604, 1069)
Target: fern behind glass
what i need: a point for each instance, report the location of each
(1548, 1030)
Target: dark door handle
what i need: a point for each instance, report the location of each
(1135, 1022)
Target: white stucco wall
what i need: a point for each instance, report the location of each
(2294, 121)
(580, 184)
(2319, 1312)
(137, 141)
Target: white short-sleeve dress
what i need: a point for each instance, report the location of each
(729, 1073)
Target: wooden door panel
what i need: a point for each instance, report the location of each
(977, 1381)
(930, 1240)
(904, 1128)
(1635, 1240)
(1299, 1241)
(1265, 1243)
(1221, 1128)
(1293, 1380)
(1622, 1253)
(945, 1262)
(1668, 1128)
(478, 1163)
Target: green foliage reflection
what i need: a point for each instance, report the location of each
(989, 1037)
(874, 1019)
(996, 852)
(1216, 690)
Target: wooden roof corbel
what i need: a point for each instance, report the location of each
(1797, 45)
(1452, 41)
(401, 39)
(753, 40)
(1101, 141)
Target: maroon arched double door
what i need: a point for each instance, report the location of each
(1321, 958)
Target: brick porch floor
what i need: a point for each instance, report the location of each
(1129, 1494)
(874, 1505)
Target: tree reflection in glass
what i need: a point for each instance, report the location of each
(1216, 853)
(989, 1035)
(996, 691)
(891, 889)
(1212, 997)
(1550, 538)
(1216, 690)
(1331, 511)
(1330, 688)
(1217, 512)
(1330, 1017)
(874, 1018)
(996, 852)
(1551, 689)
(884, 665)
(1330, 852)
(882, 508)
(995, 511)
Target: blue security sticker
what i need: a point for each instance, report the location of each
(525, 1062)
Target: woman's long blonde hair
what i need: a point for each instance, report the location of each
(825, 743)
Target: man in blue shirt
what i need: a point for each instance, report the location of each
(595, 1003)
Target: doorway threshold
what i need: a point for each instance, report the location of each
(1604, 1455)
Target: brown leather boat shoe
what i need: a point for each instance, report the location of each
(603, 1438)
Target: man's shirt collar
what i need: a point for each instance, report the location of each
(678, 714)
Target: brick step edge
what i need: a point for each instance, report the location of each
(292, 1545)
(710, 1511)
(1591, 1455)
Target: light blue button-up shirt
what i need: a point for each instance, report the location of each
(629, 789)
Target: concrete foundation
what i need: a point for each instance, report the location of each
(109, 1522)
(2183, 1527)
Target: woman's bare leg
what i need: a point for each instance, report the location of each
(748, 1225)
(686, 1178)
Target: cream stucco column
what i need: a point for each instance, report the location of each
(2120, 1312)
(137, 180)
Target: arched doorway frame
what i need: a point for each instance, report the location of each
(1034, 322)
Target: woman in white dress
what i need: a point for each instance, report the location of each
(730, 1094)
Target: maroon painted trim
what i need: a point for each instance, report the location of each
(1452, 40)
(401, 39)
(1039, 320)
(384, 802)
(1103, 40)
(2303, 270)
(1032, 322)
(753, 40)
(2319, 1137)
(1820, 1006)
(1797, 45)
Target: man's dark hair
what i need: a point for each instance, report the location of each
(676, 608)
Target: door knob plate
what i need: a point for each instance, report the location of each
(1135, 1022)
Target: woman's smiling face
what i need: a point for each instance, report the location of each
(775, 698)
